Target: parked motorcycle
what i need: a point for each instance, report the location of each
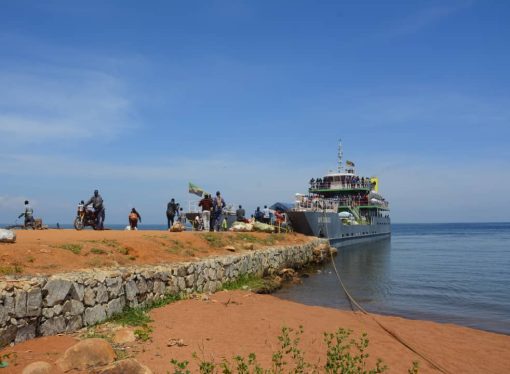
(85, 217)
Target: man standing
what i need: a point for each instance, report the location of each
(171, 210)
(267, 215)
(218, 205)
(206, 203)
(97, 204)
(29, 215)
(240, 214)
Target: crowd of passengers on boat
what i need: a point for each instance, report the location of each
(340, 181)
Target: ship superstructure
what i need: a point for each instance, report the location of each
(342, 206)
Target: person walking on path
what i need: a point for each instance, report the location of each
(97, 204)
(206, 203)
(29, 215)
(134, 217)
(171, 210)
(218, 205)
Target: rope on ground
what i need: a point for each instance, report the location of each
(434, 364)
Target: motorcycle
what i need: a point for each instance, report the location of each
(85, 217)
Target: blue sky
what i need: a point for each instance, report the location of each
(250, 97)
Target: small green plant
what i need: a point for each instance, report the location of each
(344, 355)
(215, 240)
(244, 282)
(31, 259)
(75, 248)
(143, 333)
(98, 251)
(180, 367)
(110, 243)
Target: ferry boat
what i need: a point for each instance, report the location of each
(343, 207)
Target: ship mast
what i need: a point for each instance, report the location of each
(340, 155)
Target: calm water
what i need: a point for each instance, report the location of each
(457, 273)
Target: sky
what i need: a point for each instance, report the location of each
(250, 98)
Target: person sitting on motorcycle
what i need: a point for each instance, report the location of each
(97, 203)
(29, 215)
(134, 216)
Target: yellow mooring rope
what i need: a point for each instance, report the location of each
(390, 332)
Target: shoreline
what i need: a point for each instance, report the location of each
(245, 322)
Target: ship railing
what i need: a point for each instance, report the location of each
(338, 186)
(310, 203)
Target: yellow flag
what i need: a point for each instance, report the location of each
(375, 183)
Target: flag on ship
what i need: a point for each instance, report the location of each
(194, 189)
(374, 181)
(349, 163)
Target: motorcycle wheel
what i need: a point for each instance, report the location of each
(78, 223)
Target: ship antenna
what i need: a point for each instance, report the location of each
(340, 155)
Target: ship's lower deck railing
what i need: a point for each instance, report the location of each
(333, 205)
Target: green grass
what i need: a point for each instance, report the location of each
(75, 248)
(139, 317)
(11, 269)
(98, 251)
(214, 239)
(243, 282)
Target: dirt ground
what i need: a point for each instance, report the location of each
(57, 251)
(229, 323)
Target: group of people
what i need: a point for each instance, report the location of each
(212, 215)
(212, 212)
(344, 180)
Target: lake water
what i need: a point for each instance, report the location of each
(456, 273)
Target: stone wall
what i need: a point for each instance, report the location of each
(41, 306)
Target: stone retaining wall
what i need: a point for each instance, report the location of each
(41, 306)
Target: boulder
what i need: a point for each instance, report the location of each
(87, 354)
(38, 367)
(127, 366)
(124, 335)
(94, 315)
(7, 236)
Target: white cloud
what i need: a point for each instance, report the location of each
(57, 103)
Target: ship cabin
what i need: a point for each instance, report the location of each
(349, 195)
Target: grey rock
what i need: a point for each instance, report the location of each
(101, 294)
(115, 306)
(94, 315)
(190, 280)
(141, 285)
(89, 297)
(159, 287)
(57, 309)
(53, 326)
(7, 335)
(181, 284)
(74, 323)
(181, 271)
(77, 291)
(25, 333)
(9, 305)
(131, 290)
(57, 289)
(114, 286)
(73, 307)
(20, 307)
(34, 302)
(47, 313)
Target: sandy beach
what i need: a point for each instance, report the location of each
(239, 322)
